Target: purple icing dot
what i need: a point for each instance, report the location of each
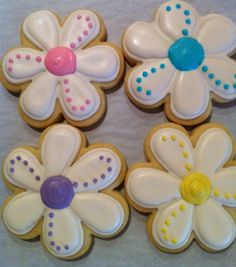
(103, 176)
(51, 214)
(58, 248)
(52, 243)
(18, 157)
(12, 170)
(50, 233)
(109, 169)
(66, 247)
(108, 160)
(25, 162)
(37, 178)
(50, 224)
(75, 184)
(12, 161)
(101, 157)
(95, 180)
(31, 170)
(85, 184)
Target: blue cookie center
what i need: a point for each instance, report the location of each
(186, 54)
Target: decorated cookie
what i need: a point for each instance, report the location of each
(188, 187)
(182, 61)
(65, 192)
(62, 68)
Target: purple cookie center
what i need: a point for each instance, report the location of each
(57, 192)
(60, 61)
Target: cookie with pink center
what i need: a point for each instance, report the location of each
(62, 69)
(182, 61)
(188, 187)
(64, 192)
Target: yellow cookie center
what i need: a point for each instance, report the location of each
(195, 188)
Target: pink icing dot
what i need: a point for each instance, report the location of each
(85, 32)
(79, 17)
(67, 90)
(27, 57)
(90, 25)
(87, 101)
(10, 69)
(66, 81)
(72, 45)
(38, 59)
(10, 60)
(79, 38)
(68, 99)
(82, 108)
(87, 18)
(74, 108)
(18, 56)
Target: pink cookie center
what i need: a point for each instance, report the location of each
(60, 61)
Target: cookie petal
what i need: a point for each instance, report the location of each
(144, 41)
(172, 225)
(217, 34)
(106, 167)
(173, 149)
(63, 234)
(22, 168)
(42, 29)
(145, 187)
(149, 83)
(104, 57)
(59, 147)
(177, 19)
(224, 186)
(102, 213)
(221, 76)
(80, 28)
(214, 227)
(22, 64)
(22, 213)
(78, 97)
(213, 149)
(39, 98)
(189, 96)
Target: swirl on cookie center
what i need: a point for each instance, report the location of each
(195, 188)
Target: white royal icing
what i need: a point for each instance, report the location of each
(78, 97)
(176, 219)
(149, 43)
(102, 213)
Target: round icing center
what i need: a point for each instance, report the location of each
(186, 54)
(57, 192)
(60, 61)
(195, 188)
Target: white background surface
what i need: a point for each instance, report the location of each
(125, 126)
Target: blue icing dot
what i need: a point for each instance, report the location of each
(188, 21)
(211, 76)
(218, 82)
(234, 86)
(139, 80)
(235, 76)
(204, 68)
(148, 92)
(226, 86)
(185, 32)
(162, 66)
(168, 8)
(178, 6)
(153, 70)
(186, 54)
(186, 12)
(145, 74)
(139, 89)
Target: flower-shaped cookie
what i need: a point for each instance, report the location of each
(183, 62)
(68, 72)
(63, 197)
(186, 186)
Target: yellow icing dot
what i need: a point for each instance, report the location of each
(173, 137)
(166, 237)
(195, 188)
(235, 196)
(182, 207)
(188, 167)
(181, 144)
(174, 213)
(163, 230)
(185, 154)
(216, 193)
(227, 196)
(174, 241)
(163, 138)
(167, 222)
